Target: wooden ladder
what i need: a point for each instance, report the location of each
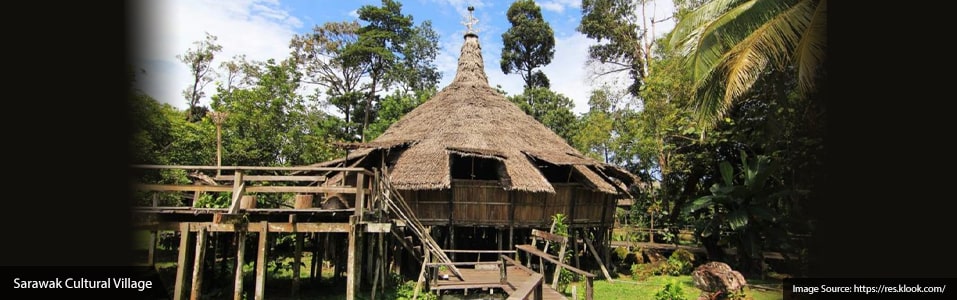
(400, 209)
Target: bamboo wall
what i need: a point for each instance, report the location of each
(485, 203)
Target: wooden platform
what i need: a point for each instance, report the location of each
(483, 279)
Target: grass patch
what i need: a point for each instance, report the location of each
(646, 289)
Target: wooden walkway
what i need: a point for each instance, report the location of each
(482, 279)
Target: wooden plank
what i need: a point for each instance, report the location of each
(251, 189)
(238, 189)
(181, 188)
(179, 291)
(532, 286)
(256, 227)
(252, 168)
(549, 236)
(534, 251)
(591, 249)
(261, 261)
(480, 251)
(274, 178)
(197, 289)
(378, 227)
(240, 254)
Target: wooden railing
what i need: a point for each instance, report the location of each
(242, 180)
(532, 289)
(557, 260)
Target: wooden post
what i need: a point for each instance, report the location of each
(589, 288)
(303, 201)
(240, 256)
(351, 278)
(150, 256)
(421, 279)
(261, 261)
(360, 196)
(197, 288)
(571, 227)
(558, 267)
(540, 289)
(239, 187)
(574, 292)
(248, 201)
(179, 292)
(297, 260)
(502, 272)
(601, 264)
(511, 222)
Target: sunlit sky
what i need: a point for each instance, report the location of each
(262, 29)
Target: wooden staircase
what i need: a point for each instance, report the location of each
(397, 207)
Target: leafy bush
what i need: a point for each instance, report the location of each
(641, 271)
(671, 291)
(406, 290)
(680, 262)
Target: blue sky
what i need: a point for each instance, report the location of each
(261, 29)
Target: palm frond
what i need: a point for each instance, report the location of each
(812, 48)
(770, 43)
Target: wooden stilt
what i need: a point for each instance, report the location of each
(511, 222)
(179, 291)
(591, 247)
(150, 255)
(297, 261)
(240, 256)
(421, 279)
(197, 289)
(261, 261)
(351, 278)
(378, 266)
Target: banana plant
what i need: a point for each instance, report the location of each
(742, 209)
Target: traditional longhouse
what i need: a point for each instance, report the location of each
(470, 160)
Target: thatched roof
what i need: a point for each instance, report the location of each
(470, 118)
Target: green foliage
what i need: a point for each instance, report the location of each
(380, 44)
(406, 290)
(732, 44)
(739, 208)
(392, 108)
(416, 71)
(671, 291)
(528, 44)
(681, 262)
(552, 109)
(614, 25)
(213, 200)
(268, 123)
(200, 63)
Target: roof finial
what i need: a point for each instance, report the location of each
(471, 20)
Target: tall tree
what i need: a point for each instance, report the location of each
(730, 44)
(552, 109)
(379, 41)
(528, 44)
(416, 71)
(320, 55)
(263, 117)
(200, 63)
(614, 24)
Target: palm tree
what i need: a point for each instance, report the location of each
(729, 44)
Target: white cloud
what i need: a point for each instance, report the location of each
(260, 29)
(354, 13)
(559, 6)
